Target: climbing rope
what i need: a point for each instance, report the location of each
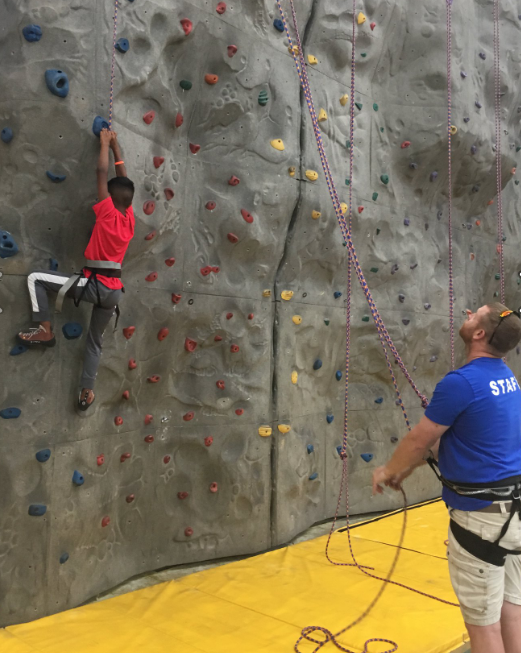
(499, 185)
(449, 135)
(113, 66)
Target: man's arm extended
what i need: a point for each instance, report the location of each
(121, 170)
(102, 171)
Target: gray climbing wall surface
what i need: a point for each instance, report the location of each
(181, 470)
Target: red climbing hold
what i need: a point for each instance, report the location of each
(234, 349)
(182, 495)
(162, 334)
(149, 207)
(372, 26)
(188, 417)
(208, 441)
(239, 411)
(154, 379)
(176, 298)
(206, 271)
(126, 395)
(220, 384)
(405, 144)
(210, 205)
(118, 421)
(149, 117)
(221, 8)
(248, 217)
(360, 209)
(124, 456)
(100, 460)
(189, 531)
(130, 498)
(105, 521)
(186, 25)
(194, 148)
(250, 316)
(170, 262)
(128, 332)
(233, 238)
(234, 181)
(211, 79)
(232, 50)
(166, 460)
(218, 338)
(158, 161)
(149, 438)
(214, 487)
(190, 344)
(151, 235)
(151, 277)
(132, 364)
(169, 193)
(179, 120)
(229, 316)
(148, 419)
(215, 269)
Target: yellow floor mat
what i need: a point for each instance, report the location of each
(260, 605)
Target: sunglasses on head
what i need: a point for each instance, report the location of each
(502, 316)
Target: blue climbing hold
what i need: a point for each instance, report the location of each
(37, 510)
(339, 450)
(310, 448)
(379, 400)
(77, 478)
(122, 45)
(63, 558)
(7, 134)
(43, 455)
(278, 24)
(72, 330)
(8, 247)
(337, 294)
(99, 124)
(338, 375)
(317, 364)
(313, 476)
(53, 264)
(367, 457)
(57, 82)
(330, 418)
(55, 178)
(32, 33)
(17, 350)
(10, 413)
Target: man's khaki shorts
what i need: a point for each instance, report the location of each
(481, 587)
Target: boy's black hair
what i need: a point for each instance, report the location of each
(122, 190)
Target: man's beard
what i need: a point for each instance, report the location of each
(465, 335)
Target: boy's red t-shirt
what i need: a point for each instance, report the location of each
(111, 235)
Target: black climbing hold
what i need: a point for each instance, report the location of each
(365, 318)
(395, 268)
(313, 476)
(185, 84)
(122, 45)
(278, 25)
(6, 135)
(77, 478)
(8, 246)
(466, 119)
(473, 149)
(72, 330)
(413, 166)
(32, 33)
(337, 294)
(497, 276)
(439, 215)
(374, 269)
(367, 457)
(379, 400)
(55, 178)
(394, 439)
(405, 321)
(475, 188)
(326, 322)
(330, 418)
(65, 556)
(17, 350)
(338, 375)
(310, 448)
(37, 510)
(482, 55)
(401, 298)
(433, 359)
(317, 364)
(53, 264)
(57, 82)
(43, 455)
(99, 124)
(10, 413)
(426, 306)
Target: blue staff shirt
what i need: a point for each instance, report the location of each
(481, 403)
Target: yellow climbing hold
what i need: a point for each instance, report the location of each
(311, 175)
(293, 50)
(344, 99)
(292, 171)
(284, 428)
(453, 130)
(361, 18)
(277, 144)
(297, 319)
(286, 294)
(266, 293)
(294, 378)
(315, 215)
(265, 431)
(312, 60)
(343, 206)
(322, 115)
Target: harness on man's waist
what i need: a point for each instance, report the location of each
(508, 489)
(103, 268)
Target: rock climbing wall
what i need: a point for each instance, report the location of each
(219, 405)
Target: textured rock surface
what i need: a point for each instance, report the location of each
(264, 493)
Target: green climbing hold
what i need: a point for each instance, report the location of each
(384, 179)
(516, 182)
(185, 84)
(348, 144)
(365, 318)
(498, 276)
(374, 270)
(347, 182)
(375, 197)
(377, 231)
(359, 106)
(518, 148)
(326, 322)
(375, 106)
(382, 129)
(363, 54)
(504, 238)
(263, 98)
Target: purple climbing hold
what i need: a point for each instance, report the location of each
(406, 222)
(482, 55)
(475, 188)
(434, 175)
(413, 266)
(395, 268)
(413, 166)
(478, 104)
(473, 149)
(401, 298)
(433, 359)
(439, 215)
(426, 306)
(405, 321)
(463, 74)
(394, 439)
(466, 119)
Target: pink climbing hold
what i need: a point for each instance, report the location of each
(132, 364)
(169, 261)
(188, 417)
(210, 205)
(105, 521)
(124, 456)
(158, 161)
(214, 487)
(248, 217)
(372, 26)
(128, 332)
(211, 79)
(250, 316)
(218, 338)
(149, 439)
(215, 269)
(232, 50)
(194, 148)
(220, 384)
(405, 144)
(189, 531)
(239, 411)
(130, 498)
(162, 334)
(221, 8)
(234, 349)
(208, 441)
(176, 298)
(148, 419)
(190, 345)
(169, 193)
(233, 238)
(179, 120)
(206, 271)
(100, 460)
(234, 181)
(166, 459)
(154, 378)
(360, 209)
(149, 117)
(151, 235)
(118, 421)
(126, 395)
(149, 207)
(182, 495)
(151, 277)
(186, 25)
(229, 316)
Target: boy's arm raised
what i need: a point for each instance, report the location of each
(102, 171)
(121, 170)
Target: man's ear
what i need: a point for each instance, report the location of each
(479, 334)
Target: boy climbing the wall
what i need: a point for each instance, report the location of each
(100, 280)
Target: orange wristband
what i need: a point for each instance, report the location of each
(119, 163)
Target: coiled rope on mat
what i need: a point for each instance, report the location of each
(298, 56)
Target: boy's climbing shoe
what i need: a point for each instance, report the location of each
(37, 336)
(83, 404)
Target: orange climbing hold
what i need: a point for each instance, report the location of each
(239, 411)
(478, 222)
(248, 217)
(105, 521)
(210, 205)
(220, 384)
(179, 120)
(176, 298)
(169, 193)
(149, 117)
(186, 25)
(234, 349)
(360, 209)
(149, 207)
(158, 161)
(170, 261)
(188, 417)
(208, 441)
(128, 332)
(151, 277)
(148, 419)
(118, 421)
(211, 79)
(233, 238)
(491, 202)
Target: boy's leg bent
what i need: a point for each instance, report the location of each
(39, 283)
